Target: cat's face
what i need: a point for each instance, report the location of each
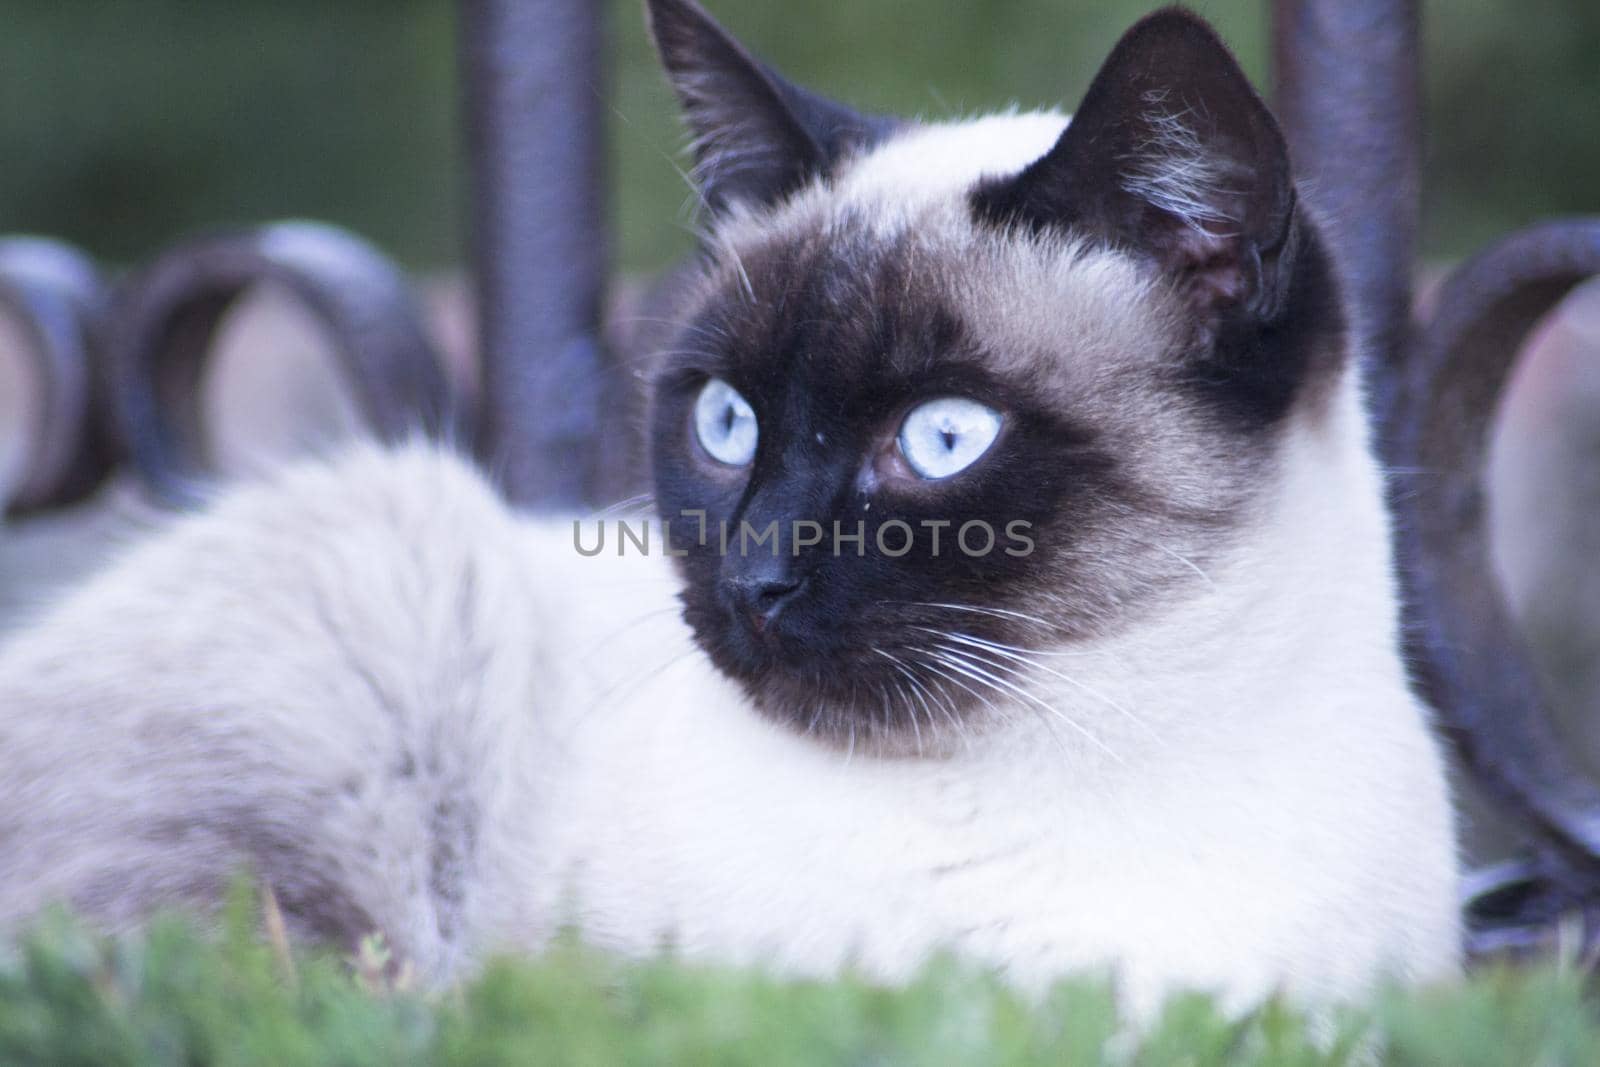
(943, 397)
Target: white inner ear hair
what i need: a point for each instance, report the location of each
(1171, 169)
(729, 139)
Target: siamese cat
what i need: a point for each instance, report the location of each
(1154, 721)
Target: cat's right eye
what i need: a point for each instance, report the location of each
(725, 424)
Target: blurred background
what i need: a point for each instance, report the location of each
(126, 125)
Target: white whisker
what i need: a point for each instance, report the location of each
(945, 661)
(920, 693)
(1185, 560)
(1011, 686)
(1002, 613)
(1026, 656)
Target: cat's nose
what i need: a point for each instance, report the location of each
(760, 597)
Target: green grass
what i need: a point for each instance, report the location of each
(176, 996)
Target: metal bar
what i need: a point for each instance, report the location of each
(57, 297)
(1469, 657)
(161, 326)
(1347, 75)
(534, 120)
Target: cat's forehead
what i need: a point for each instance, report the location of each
(893, 232)
(938, 161)
(920, 169)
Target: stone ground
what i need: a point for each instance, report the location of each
(274, 392)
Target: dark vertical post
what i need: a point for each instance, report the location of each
(1347, 75)
(534, 109)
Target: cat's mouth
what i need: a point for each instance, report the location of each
(828, 682)
(790, 645)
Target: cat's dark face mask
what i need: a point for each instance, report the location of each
(857, 494)
(884, 516)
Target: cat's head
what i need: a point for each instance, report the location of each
(1041, 369)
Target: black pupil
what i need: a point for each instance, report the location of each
(727, 420)
(949, 439)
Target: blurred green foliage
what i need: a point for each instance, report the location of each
(173, 996)
(124, 124)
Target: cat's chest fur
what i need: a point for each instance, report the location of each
(1216, 864)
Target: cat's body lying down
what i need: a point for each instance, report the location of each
(496, 735)
(1174, 737)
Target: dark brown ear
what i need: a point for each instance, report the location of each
(1173, 156)
(757, 138)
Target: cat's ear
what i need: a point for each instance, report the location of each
(1173, 156)
(757, 137)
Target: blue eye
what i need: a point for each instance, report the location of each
(946, 436)
(725, 424)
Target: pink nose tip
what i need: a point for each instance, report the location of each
(761, 600)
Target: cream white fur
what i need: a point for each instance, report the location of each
(1260, 805)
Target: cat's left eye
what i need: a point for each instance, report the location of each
(948, 435)
(725, 424)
